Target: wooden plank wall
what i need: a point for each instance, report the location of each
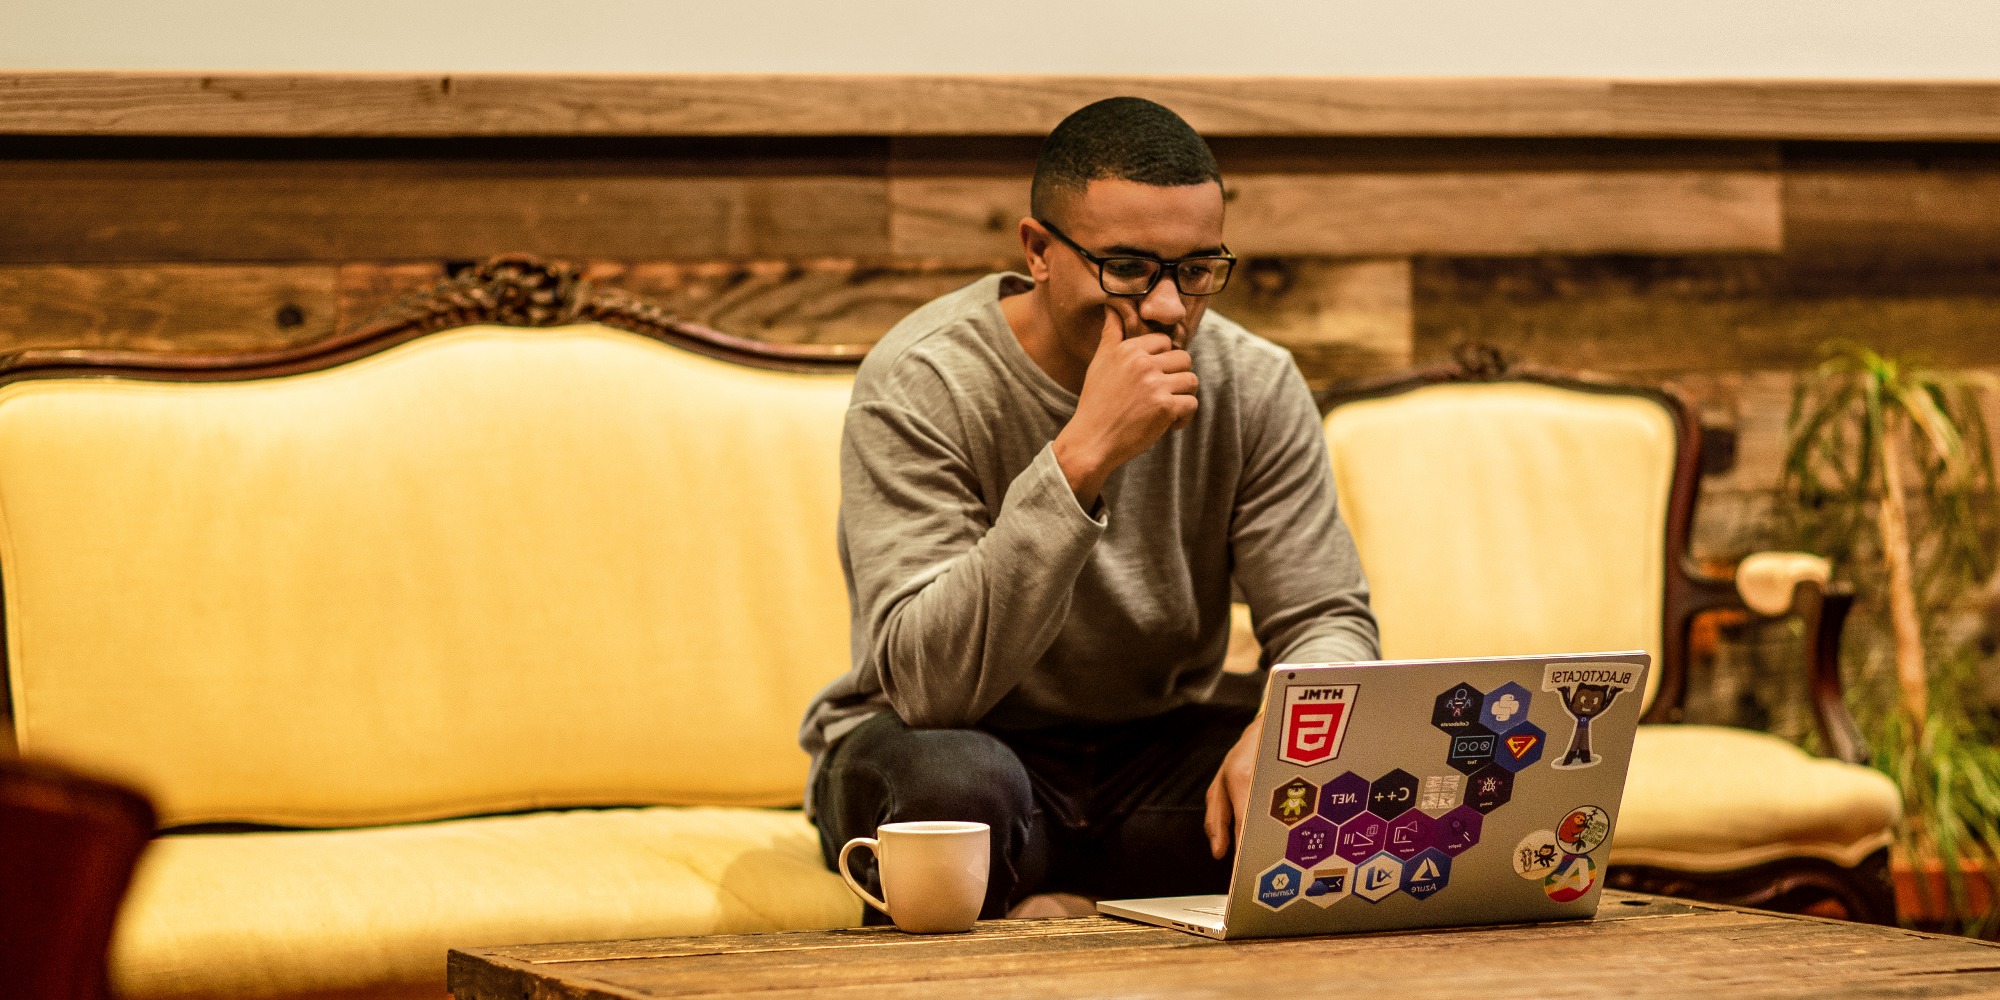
(1717, 264)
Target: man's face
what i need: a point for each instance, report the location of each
(1125, 218)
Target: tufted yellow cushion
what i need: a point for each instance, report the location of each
(492, 569)
(1706, 798)
(370, 913)
(1508, 518)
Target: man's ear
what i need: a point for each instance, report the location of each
(1035, 248)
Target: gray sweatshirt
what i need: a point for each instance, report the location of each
(983, 595)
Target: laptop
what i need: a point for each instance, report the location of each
(1425, 793)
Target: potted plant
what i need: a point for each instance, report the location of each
(1889, 472)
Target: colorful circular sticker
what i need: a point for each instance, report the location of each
(1537, 854)
(1571, 879)
(1583, 829)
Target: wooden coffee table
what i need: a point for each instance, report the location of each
(1639, 946)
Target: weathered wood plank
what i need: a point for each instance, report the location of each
(308, 104)
(166, 307)
(1388, 214)
(1910, 210)
(113, 210)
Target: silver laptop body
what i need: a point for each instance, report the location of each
(1426, 793)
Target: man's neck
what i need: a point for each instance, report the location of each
(1028, 317)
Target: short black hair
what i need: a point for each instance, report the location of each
(1122, 138)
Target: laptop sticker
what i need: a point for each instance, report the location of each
(1426, 873)
(1588, 691)
(1393, 794)
(1343, 798)
(1279, 885)
(1489, 788)
(1520, 747)
(1572, 877)
(1378, 878)
(1293, 801)
(1412, 833)
(1311, 842)
(1505, 707)
(1316, 718)
(1537, 855)
(1583, 829)
(1457, 710)
(1471, 749)
(1361, 837)
(1458, 830)
(1329, 882)
(1440, 792)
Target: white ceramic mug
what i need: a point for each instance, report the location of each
(933, 873)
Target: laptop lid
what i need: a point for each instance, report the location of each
(1435, 793)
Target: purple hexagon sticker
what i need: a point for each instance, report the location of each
(1458, 830)
(1410, 833)
(1361, 837)
(1343, 797)
(1311, 842)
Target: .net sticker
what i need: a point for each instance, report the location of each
(1315, 718)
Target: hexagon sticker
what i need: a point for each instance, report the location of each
(1361, 836)
(1458, 830)
(1458, 709)
(1426, 873)
(1410, 833)
(1505, 707)
(1520, 747)
(1471, 749)
(1279, 885)
(1293, 801)
(1311, 842)
(1393, 793)
(1329, 882)
(1440, 792)
(1376, 878)
(1489, 788)
(1571, 879)
(1343, 797)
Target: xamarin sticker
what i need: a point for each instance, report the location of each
(1315, 721)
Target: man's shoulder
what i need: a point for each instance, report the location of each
(938, 330)
(1239, 355)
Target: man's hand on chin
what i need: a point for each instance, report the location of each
(1229, 793)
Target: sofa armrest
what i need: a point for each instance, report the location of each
(1776, 584)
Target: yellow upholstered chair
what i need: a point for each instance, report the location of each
(1520, 511)
(447, 632)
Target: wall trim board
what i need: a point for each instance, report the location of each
(406, 105)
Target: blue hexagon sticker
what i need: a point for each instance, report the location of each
(1458, 830)
(1505, 707)
(1378, 877)
(1426, 873)
(1489, 788)
(1343, 797)
(1362, 836)
(1520, 747)
(1457, 710)
(1311, 842)
(1392, 793)
(1410, 833)
(1279, 885)
(1471, 749)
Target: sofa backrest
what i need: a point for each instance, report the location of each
(489, 569)
(1509, 517)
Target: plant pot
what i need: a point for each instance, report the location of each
(1923, 896)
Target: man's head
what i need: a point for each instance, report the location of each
(1123, 178)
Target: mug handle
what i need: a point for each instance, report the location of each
(874, 845)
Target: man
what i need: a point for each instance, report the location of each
(1048, 487)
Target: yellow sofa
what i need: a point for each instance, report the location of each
(445, 635)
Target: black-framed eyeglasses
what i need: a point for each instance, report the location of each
(1136, 276)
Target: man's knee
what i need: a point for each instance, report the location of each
(926, 774)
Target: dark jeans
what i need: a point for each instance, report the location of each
(1111, 811)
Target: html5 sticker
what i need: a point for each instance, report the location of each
(1315, 722)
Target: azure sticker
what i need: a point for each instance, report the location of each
(1315, 722)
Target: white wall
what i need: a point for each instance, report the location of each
(1643, 38)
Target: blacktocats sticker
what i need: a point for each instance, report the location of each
(1587, 690)
(1315, 722)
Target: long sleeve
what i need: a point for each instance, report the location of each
(1294, 559)
(956, 604)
